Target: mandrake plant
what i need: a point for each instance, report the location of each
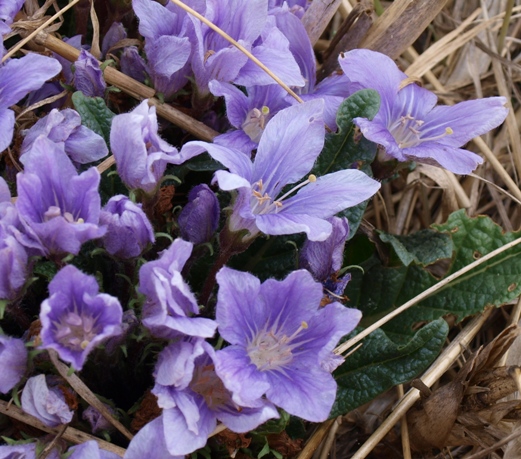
(233, 228)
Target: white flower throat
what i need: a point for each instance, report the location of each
(272, 349)
(407, 132)
(262, 203)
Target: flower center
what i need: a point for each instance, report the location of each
(255, 123)
(407, 132)
(263, 203)
(75, 331)
(207, 384)
(55, 211)
(271, 350)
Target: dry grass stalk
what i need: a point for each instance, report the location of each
(400, 25)
(315, 440)
(70, 434)
(86, 394)
(318, 16)
(433, 373)
(33, 34)
(426, 293)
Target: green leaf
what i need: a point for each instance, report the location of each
(494, 282)
(381, 364)
(94, 114)
(342, 149)
(345, 150)
(424, 247)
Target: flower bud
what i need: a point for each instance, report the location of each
(200, 217)
(13, 360)
(88, 77)
(128, 228)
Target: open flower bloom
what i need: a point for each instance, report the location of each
(18, 77)
(76, 318)
(409, 124)
(61, 207)
(288, 148)
(170, 304)
(247, 22)
(281, 341)
(193, 397)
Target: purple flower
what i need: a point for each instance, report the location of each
(128, 229)
(167, 46)
(45, 403)
(287, 151)
(90, 450)
(96, 420)
(9, 9)
(18, 77)
(13, 361)
(141, 155)
(170, 304)
(193, 398)
(115, 34)
(199, 218)
(64, 127)
(76, 318)
(409, 125)
(20, 451)
(281, 341)
(333, 89)
(324, 258)
(133, 65)
(60, 206)
(151, 437)
(13, 265)
(249, 114)
(246, 22)
(88, 77)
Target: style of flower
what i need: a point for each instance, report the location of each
(88, 77)
(61, 207)
(44, 402)
(199, 218)
(287, 150)
(249, 114)
(409, 124)
(128, 229)
(18, 77)
(64, 127)
(170, 305)
(13, 361)
(281, 341)
(193, 398)
(76, 317)
(141, 155)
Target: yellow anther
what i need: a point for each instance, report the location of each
(304, 324)
(80, 220)
(84, 344)
(265, 110)
(449, 131)
(312, 178)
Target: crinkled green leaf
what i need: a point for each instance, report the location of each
(94, 114)
(423, 247)
(494, 282)
(346, 149)
(381, 364)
